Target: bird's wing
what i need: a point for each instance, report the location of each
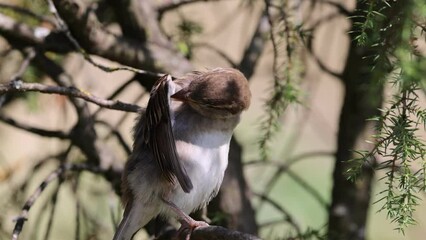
(158, 134)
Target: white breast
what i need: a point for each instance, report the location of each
(205, 164)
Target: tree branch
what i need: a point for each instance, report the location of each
(176, 4)
(287, 216)
(18, 33)
(20, 220)
(218, 51)
(211, 233)
(126, 15)
(218, 233)
(30, 54)
(85, 27)
(19, 86)
(338, 6)
(255, 47)
(26, 12)
(38, 131)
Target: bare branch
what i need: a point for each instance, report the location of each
(211, 233)
(255, 47)
(83, 134)
(284, 168)
(308, 188)
(322, 66)
(139, 21)
(21, 31)
(30, 54)
(292, 160)
(20, 220)
(52, 210)
(287, 216)
(43, 38)
(338, 6)
(19, 86)
(217, 232)
(26, 12)
(85, 27)
(218, 51)
(61, 25)
(21, 35)
(38, 131)
(89, 33)
(126, 16)
(176, 4)
(121, 88)
(118, 135)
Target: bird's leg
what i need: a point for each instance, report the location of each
(204, 215)
(187, 223)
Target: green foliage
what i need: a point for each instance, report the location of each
(402, 150)
(369, 28)
(287, 69)
(390, 27)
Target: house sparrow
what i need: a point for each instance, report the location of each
(181, 145)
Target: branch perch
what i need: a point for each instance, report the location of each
(212, 233)
(19, 86)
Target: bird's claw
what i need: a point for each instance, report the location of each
(188, 226)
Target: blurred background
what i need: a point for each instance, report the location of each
(314, 85)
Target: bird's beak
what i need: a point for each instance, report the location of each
(180, 96)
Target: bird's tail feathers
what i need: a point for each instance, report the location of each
(134, 218)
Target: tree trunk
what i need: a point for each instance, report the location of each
(363, 97)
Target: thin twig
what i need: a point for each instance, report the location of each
(292, 160)
(322, 66)
(52, 210)
(287, 216)
(20, 220)
(77, 207)
(19, 86)
(283, 168)
(115, 94)
(308, 188)
(176, 4)
(121, 88)
(338, 6)
(114, 218)
(30, 54)
(77, 220)
(256, 46)
(26, 12)
(117, 134)
(218, 51)
(38, 131)
(63, 26)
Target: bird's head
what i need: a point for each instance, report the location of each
(218, 93)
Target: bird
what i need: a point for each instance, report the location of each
(181, 146)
